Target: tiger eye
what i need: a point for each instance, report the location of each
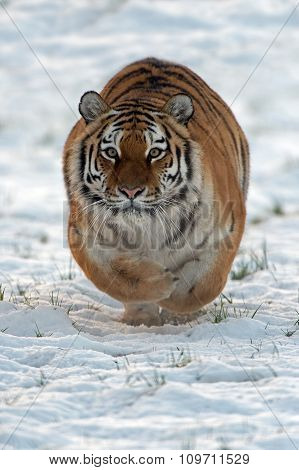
(111, 152)
(155, 152)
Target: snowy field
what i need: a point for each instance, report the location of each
(71, 375)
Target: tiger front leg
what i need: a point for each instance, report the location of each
(140, 280)
(127, 278)
(203, 278)
(199, 284)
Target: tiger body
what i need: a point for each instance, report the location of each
(157, 176)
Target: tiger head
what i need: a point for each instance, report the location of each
(135, 157)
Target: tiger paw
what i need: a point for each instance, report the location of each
(160, 286)
(144, 280)
(141, 314)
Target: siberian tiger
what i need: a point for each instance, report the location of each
(156, 173)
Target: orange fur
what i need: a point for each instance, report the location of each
(211, 148)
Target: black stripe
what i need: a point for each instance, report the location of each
(134, 112)
(148, 106)
(232, 226)
(138, 86)
(96, 164)
(89, 157)
(178, 155)
(188, 160)
(127, 105)
(168, 135)
(97, 177)
(92, 197)
(97, 155)
(244, 165)
(82, 159)
(116, 129)
(135, 120)
(106, 141)
(160, 141)
(124, 121)
(126, 76)
(152, 130)
(182, 193)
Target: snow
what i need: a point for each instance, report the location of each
(73, 376)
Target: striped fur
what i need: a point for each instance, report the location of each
(159, 130)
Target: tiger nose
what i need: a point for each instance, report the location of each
(131, 193)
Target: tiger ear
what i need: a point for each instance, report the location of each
(180, 107)
(91, 106)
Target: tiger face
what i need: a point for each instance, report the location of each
(135, 158)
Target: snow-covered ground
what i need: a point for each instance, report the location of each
(73, 376)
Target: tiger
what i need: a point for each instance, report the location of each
(156, 173)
